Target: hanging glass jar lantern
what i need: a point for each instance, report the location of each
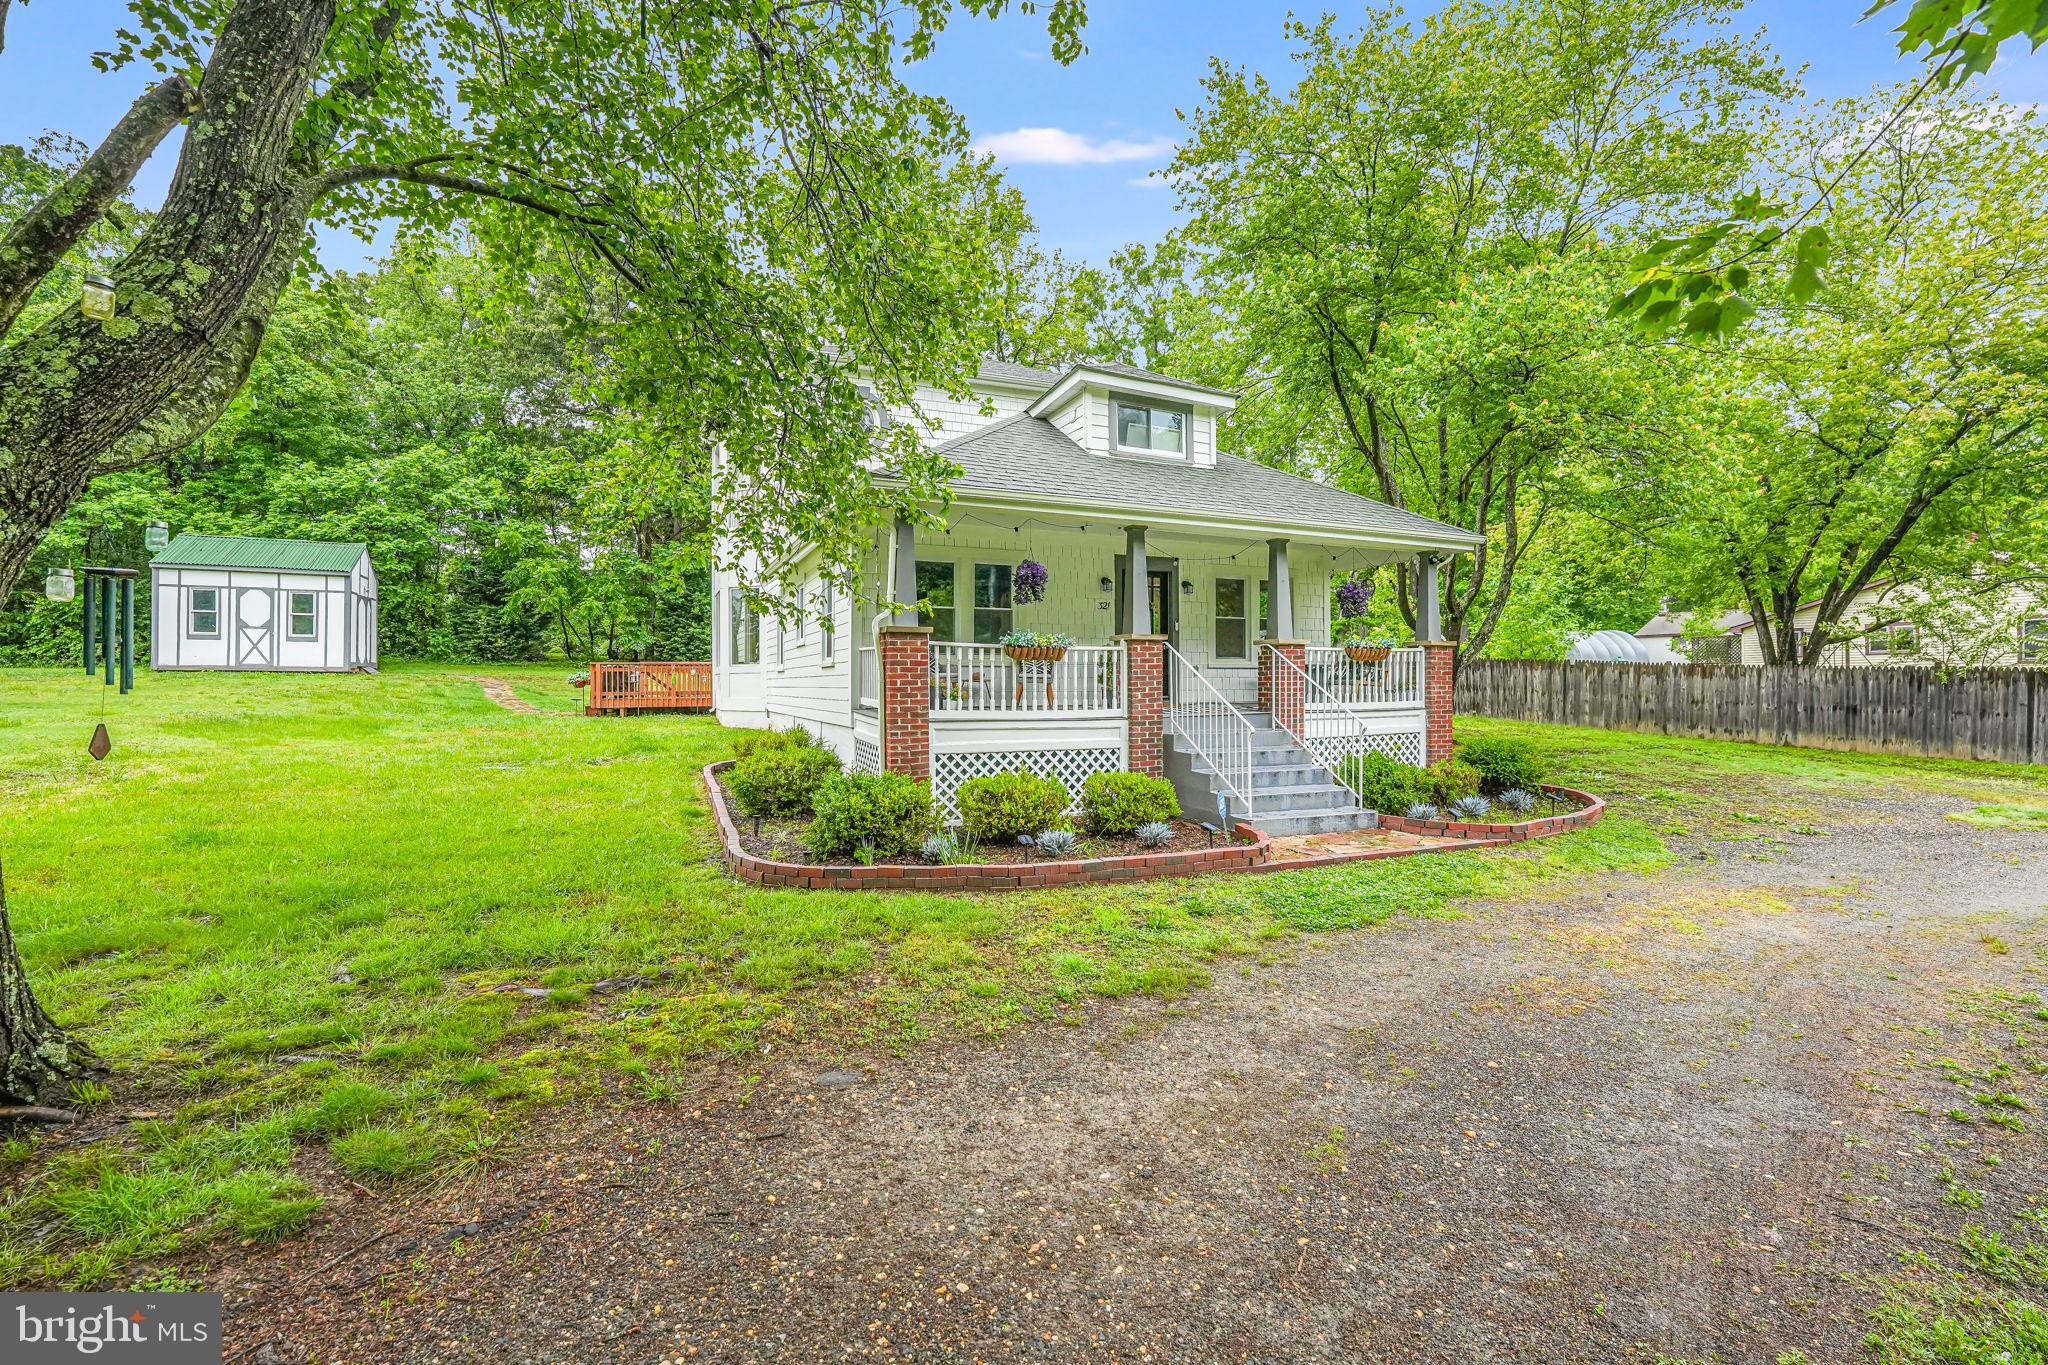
(155, 537)
(96, 297)
(60, 585)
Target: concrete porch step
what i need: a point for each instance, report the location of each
(1313, 822)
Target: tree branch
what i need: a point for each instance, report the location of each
(54, 226)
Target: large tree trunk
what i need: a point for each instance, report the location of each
(80, 397)
(39, 1062)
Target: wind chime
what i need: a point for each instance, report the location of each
(107, 617)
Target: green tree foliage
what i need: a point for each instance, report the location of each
(1404, 258)
(417, 409)
(1890, 427)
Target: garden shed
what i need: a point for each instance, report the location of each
(279, 606)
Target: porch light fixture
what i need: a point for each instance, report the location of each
(1106, 585)
(60, 585)
(1187, 587)
(156, 536)
(96, 297)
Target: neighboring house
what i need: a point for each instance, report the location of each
(1195, 586)
(278, 606)
(1886, 625)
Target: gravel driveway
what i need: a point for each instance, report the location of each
(1690, 1114)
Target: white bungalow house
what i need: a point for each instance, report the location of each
(251, 603)
(1887, 625)
(1194, 584)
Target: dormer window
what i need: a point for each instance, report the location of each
(1145, 427)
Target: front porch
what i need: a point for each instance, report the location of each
(1200, 676)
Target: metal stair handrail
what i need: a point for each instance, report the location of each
(1219, 733)
(1328, 750)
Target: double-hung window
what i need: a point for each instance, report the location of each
(1149, 428)
(992, 603)
(304, 619)
(825, 632)
(935, 587)
(1893, 639)
(1231, 639)
(745, 630)
(203, 614)
(2034, 639)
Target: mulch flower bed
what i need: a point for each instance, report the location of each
(783, 841)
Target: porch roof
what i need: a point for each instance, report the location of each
(1027, 458)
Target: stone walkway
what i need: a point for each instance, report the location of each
(500, 691)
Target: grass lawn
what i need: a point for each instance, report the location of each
(336, 928)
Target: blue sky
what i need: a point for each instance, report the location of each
(1077, 139)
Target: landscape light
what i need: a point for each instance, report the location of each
(97, 297)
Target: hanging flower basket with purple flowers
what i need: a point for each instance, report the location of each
(1354, 597)
(1027, 582)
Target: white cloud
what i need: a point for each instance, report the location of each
(1058, 147)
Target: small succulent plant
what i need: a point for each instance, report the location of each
(1155, 834)
(1519, 801)
(1422, 810)
(939, 848)
(1058, 843)
(1471, 807)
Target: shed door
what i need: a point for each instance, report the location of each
(255, 628)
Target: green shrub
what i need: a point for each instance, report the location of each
(1383, 784)
(757, 741)
(1443, 784)
(888, 813)
(1117, 803)
(1504, 764)
(1009, 804)
(780, 780)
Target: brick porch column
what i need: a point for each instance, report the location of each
(1437, 656)
(1282, 691)
(903, 657)
(1145, 707)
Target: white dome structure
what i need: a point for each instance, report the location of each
(1608, 647)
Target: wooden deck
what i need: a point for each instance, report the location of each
(622, 687)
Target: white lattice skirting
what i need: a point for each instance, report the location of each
(1406, 746)
(1071, 766)
(867, 758)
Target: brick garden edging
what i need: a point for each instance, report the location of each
(1244, 857)
(973, 876)
(1589, 810)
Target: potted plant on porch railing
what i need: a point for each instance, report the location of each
(1036, 651)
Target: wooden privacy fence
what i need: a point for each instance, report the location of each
(1988, 713)
(649, 687)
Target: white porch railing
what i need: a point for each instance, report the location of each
(1332, 730)
(870, 678)
(1216, 731)
(1395, 683)
(982, 680)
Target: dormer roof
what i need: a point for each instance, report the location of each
(1131, 379)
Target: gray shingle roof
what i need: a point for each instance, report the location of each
(1010, 372)
(1028, 456)
(1133, 372)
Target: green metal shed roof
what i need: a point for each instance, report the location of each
(257, 552)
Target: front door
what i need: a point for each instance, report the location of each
(1163, 609)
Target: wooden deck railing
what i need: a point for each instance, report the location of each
(624, 687)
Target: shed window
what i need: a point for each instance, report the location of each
(203, 614)
(1153, 428)
(305, 619)
(1230, 632)
(935, 586)
(992, 603)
